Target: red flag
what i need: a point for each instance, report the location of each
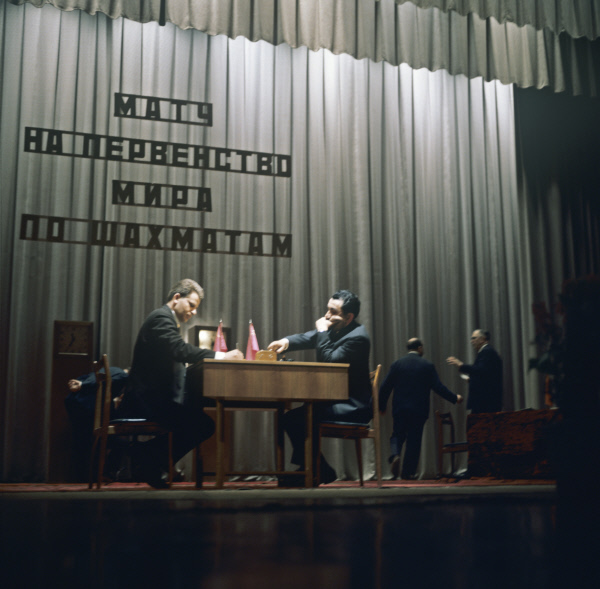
(252, 346)
(220, 345)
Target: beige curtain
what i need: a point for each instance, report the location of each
(578, 18)
(403, 188)
(494, 40)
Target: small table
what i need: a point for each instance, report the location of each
(244, 384)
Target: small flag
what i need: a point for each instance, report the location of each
(220, 344)
(252, 346)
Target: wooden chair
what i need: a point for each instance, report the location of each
(104, 426)
(445, 419)
(358, 432)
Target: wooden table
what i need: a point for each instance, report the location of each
(243, 384)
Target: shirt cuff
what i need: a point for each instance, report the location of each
(219, 355)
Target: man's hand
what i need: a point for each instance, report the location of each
(74, 385)
(455, 361)
(323, 324)
(233, 355)
(118, 400)
(279, 346)
(459, 399)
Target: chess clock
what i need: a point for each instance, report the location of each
(72, 357)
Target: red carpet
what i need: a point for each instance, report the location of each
(440, 483)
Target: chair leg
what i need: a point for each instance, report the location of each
(101, 460)
(92, 456)
(377, 442)
(317, 467)
(198, 467)
(171, 466)
(358, 446)
(279, 438)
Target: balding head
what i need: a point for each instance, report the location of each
(415, 345)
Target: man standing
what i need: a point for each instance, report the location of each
(485, 375)
(411, 378)
(337, 338)
(157, 382)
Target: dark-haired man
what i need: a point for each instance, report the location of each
(412, 378)
(485, 375)
(157, 381)
(337, 338)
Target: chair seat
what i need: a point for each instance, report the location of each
(456, 446)
(135, 426)
(345, 423)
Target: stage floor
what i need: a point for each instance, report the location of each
(476, 533)
(255, 493)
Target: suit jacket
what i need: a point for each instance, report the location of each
(412, 378)
(350, 345)
(485, 381)
(159, 357)
(83, 401)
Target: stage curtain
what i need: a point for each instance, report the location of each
(578, 18)
(558, 144)
(462, 42)
(403, 188)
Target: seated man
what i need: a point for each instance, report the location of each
(80, 406)
(157, 382)
(337, 338)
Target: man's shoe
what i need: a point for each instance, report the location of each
(410, 477)
(144, 470)
(160, 482)
(328, 474)
(156, 478)
(396, 467)
(291, 480)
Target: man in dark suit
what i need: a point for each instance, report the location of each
(485, 375)
(337, 338)
(80, 405)
(411, 379)
(157, 382)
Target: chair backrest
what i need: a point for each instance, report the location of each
(442, 420)
(103, 393)
(375, 378)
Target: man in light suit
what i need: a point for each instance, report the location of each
(485, 375)
(157, 382)
(337, 338)
(411, 379)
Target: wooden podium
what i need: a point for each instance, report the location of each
(243, 384)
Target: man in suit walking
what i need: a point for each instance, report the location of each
(157, 381)
(485, 375)
(411, 378)
(337, 338)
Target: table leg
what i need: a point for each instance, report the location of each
(279, 451)
(308, 446)
(220, 445)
